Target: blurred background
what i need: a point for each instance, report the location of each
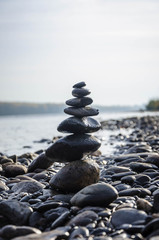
(47, 46)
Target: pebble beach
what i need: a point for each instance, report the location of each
(123, 204)
(71, 190)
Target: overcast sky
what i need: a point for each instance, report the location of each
(46, 46)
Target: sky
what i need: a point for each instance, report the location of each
(47, 46)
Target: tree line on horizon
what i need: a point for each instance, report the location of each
(20, 108)
(153, 105)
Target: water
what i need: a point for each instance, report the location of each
(18, 133)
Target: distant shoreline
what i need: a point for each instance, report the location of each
(17, 108)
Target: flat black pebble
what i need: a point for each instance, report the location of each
(79, 85)
(81, 112)
(80, 92)
(79, 125)
(79, 102)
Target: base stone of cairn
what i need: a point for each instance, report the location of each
(75, 176)
(80, 171)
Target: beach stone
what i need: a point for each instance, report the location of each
(79, 125)
(142, 192)
(63, 197)
(35, 219)
(153, 159)
(79, 85)
(151, 227)
(142, 179)
(80, 92)
(140, 167)
(28, 186)
(72, 147)
(60, 220)
(41, 162)
(81, 112)
(58, 233)
(12, 231)
(127, 216)
(3, 186)
(79, 102)
(13, 170)
(15, 212)
(143, 204)
(99, 194)
(52, 214)
(84, 218)
(75, 176)
(128, 179)
(156, 200)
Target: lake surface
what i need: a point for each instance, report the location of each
(19, 133)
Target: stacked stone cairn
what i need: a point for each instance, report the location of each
(74, 148)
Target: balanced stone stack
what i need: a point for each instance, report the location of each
(75, 147)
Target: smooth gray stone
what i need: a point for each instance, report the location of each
(72, 147)
(58, 233)
(12, 231)
(151, 227)
(84, 218)
(60, 220)
(79, 102)
(156, 200)
(79, 85)
(79, 125)
(81, 112)
(52, 214)
(99, 194)
(127, 216)
(75, 176)
(153, 159)
(41, 162)
(139, 167)
(15, 212)
(28, 186)
(80, 92)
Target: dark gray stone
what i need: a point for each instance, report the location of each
(58, 233)
(72, 147)
(52, 214)
(15, 212)
(75, 176)
(154, 159)
(60, 220)
(12, 231)
(127, 216)
(156, 200)
(151, 227)
(79, 85)
(99, 194)
(81, 112)
(79, 102)
(140, 167)
(84, 218)
(41, 162)
(79, 125)
(80, 92)
(27, 186)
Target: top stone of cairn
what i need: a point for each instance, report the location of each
(79, 85)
